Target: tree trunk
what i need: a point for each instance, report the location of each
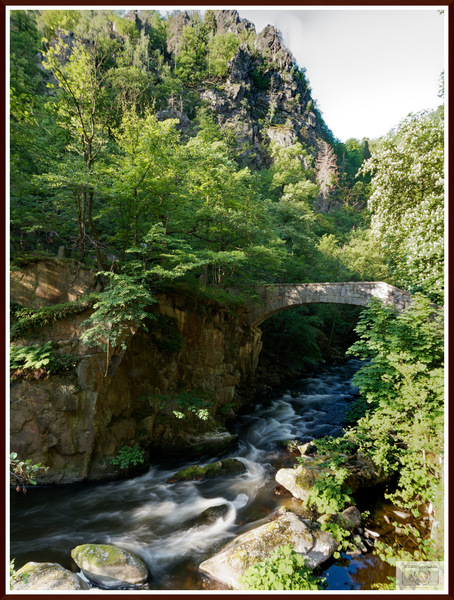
(99, 258)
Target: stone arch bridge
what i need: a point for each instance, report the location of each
(282, 296)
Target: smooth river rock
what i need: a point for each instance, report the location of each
(110, 566)
(254, 546)
(46, 576)
(300, 480)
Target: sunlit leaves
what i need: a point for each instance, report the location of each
(407, 201)
(403, 385)
(123, 306)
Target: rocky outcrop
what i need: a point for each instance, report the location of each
(50, 281)
(229, 20)
(254, 546)
(109, 566)
(269, 44)
(362, 473)
(349, 519)
(265, 97)
(77, 422)
(46, 576)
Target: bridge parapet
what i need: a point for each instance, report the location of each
(279, 297)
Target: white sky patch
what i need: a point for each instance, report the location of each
(368, 68)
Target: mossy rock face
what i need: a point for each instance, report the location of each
(46, 576)
(254, 546)
(110, 566)
(228, 466)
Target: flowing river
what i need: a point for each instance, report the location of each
(163, 523)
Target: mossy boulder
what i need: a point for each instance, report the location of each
(228, 466)
(109, 566)
(254, 546)
(298, 481)
(362, 473)
(46, 576)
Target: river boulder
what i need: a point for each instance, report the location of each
(109, 566)
(300, 480)
(46, 576)
(254, 546)
(228, 466)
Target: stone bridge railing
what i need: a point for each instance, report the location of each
(282, 296)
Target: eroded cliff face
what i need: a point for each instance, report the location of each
(76, 423)
(265, 98)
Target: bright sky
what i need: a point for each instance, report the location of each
(368, 68)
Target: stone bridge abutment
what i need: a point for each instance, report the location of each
(283, 296)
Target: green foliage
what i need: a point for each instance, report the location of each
(50, 21)
(417, 548)
(260, 77)
(340, 534)
(196, 402)
(28, 319)
(221, 49)
(191, 52)
(403, 384)
(129, 456)
(338, 445)
(14, 576)
(122, 306)
(37, 360)
(23, 472)
(407, 201)
(329, 495)
(290, 337)
(284, 569)
(30, 357)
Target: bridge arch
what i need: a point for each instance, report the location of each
(283, 296)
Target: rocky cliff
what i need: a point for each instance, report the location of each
(264, 97)
(193, 357)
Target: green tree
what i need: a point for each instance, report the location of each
(83, 114)
(142, 184)
(221, 49)
(122, 308)
(407, 202)
(50, 21)
(402, 428)
(191, 59)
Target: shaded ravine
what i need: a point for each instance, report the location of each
(163, 523)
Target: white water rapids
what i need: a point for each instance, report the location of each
(159, 521)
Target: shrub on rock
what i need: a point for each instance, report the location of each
(231, 563)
